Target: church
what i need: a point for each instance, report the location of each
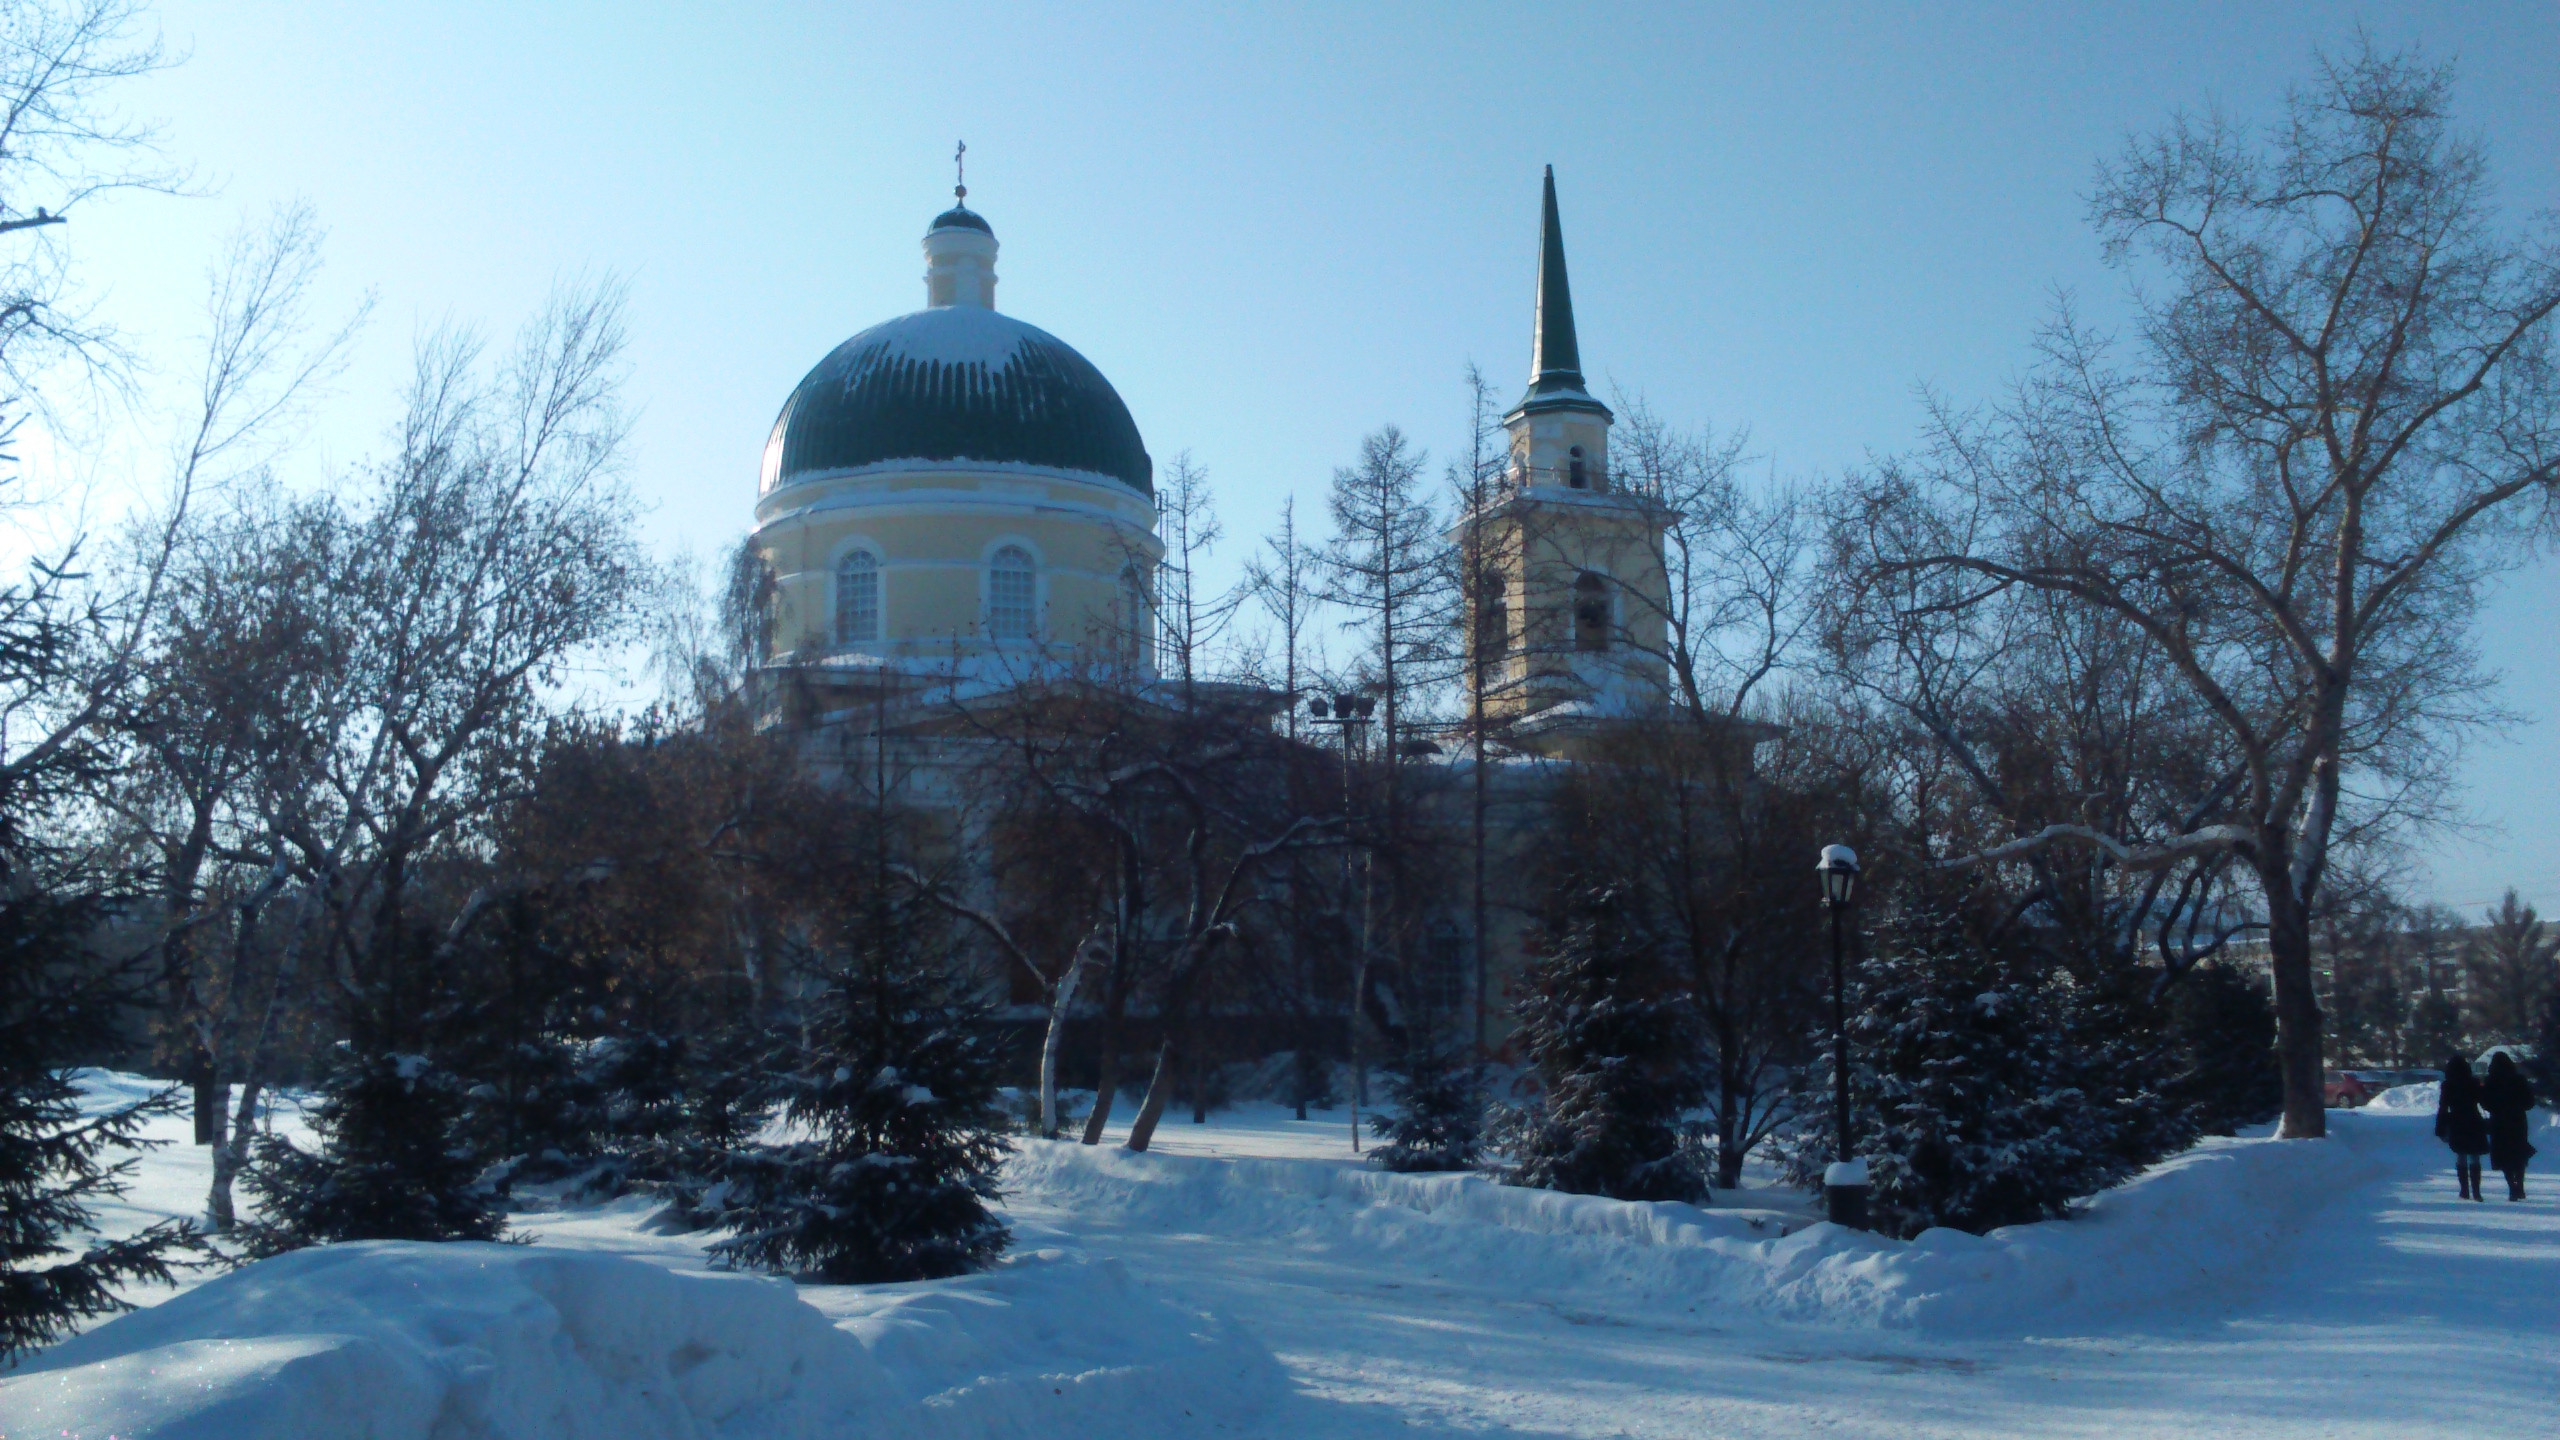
(955, 504)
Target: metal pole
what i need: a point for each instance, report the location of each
(1839, 1040)
(1360, 962)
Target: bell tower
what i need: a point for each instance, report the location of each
(1568, 595)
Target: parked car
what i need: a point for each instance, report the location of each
(2348, 1089)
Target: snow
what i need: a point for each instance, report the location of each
(2407, 1099)
(953, 335)
(1250, 1277)
(2195, 1227)
(390, 1339)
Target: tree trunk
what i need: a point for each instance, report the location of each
(1142, 1131)
(210, 1097)
(230, 1156)
(1729, 1138)
(1063, 997)
(2297, 1010)
(1106, 1084)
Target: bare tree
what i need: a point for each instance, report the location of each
(1189, 618)
(219, 653)
(1284, 582)
(61, 145)
(1386, 567)
(494, 548)
(1189, 807)
(2341, 417)
(1480, 583)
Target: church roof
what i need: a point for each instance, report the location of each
(1555, 356)
(956, 383)
(963, 218)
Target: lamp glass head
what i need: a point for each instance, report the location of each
(1839, 871)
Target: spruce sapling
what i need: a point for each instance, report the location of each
(1616, 1045)
(58, 1158)
(392, 1165)
(897, 1096)
(1438, 1119)
(1964, 1072)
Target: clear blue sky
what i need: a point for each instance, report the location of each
(1274, 228)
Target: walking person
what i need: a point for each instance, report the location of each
(2460, 1125)
(2507, 1097)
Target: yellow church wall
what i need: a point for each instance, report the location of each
(934, 534)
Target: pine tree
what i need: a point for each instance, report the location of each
(59, 1000)
(2543, 1069)
(392, 1165)
(56, 1160)
(897, 1092)
(2510, 964)
(1968, 1086)
(1438, 1119)
(2435, 1025)
(1616, 1045)
(2224, 1029)
(532, 1111)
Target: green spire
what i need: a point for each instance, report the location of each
(1555, 361)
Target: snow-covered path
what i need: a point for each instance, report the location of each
(1251, 1278)
(2399, 1310)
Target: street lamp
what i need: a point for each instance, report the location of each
(1844, 1180)
(1351, 713)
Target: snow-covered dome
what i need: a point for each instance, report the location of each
(955, 383)
(958, 382)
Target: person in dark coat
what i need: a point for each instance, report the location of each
(2507, 1097)
(2460, 1126)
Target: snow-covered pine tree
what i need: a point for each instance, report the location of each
(2224, 1030)
(1437, 1119)
(59, 999)
(58, 1158)
(897, 1095)
(1615, 1044)
(392, 1165)
(531, 1110)
(1965, 1083)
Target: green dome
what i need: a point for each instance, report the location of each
(956, 383)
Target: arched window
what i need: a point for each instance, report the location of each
(1493, 620)
(1590, 612)
(1575, 475)
(1013, 594)
(1136, 620)
(858, 598)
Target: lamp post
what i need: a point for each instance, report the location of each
(1351, 713)
(1844, 1181)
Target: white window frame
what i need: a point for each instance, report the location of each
(879, 596)
(989, 611)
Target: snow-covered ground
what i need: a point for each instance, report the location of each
(1251, 1278)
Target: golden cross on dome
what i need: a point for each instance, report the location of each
(960, 174)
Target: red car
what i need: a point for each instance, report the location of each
(2347, 1089)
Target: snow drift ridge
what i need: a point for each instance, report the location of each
(2194, 1224)
(392, 1340)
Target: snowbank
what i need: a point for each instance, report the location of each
(2203, 1222)
(2403, 1099)
(528, 1343)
